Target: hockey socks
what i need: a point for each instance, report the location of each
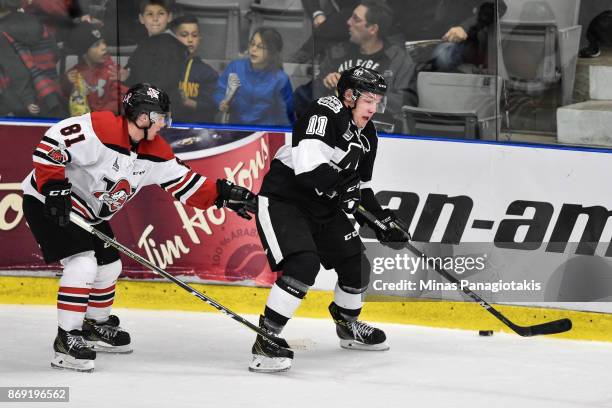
(102, 294)
(75, 286)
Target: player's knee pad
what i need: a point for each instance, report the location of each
(354, 274)
(302, 267)
(108, 274)
(79, 270)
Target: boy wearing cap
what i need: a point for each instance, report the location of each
(102, 77)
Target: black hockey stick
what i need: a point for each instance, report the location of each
(276, 341)
(556, 326)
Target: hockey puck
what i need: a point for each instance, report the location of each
(485, 333)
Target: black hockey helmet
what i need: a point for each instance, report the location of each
(146, 98)
(361, 79)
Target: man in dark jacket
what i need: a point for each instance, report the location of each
(466, 45)
(369, 48)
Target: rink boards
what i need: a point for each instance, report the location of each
(484, 188)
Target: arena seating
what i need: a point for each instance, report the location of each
(454, 105)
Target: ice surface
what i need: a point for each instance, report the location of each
(185, 359)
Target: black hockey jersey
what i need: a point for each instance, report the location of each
(325, 140)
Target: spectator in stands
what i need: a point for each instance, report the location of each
(199, 80)
(264, 94)
(58, 16)
(598, 33)
(466, 45)
(96, 72)
(28, 57)
(161, 58)
(369, 48)
(328, 27)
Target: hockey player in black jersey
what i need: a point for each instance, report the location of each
(92, 165)
(312, 184)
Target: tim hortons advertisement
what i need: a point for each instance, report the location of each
(210, 245)
(515, 224)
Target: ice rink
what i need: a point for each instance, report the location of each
(184, 359)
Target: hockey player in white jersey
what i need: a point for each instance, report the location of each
(301, 219)
(93, 165)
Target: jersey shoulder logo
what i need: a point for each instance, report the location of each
(330, 102)
(117, 193)
(58, 155)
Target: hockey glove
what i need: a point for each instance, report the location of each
(349, 191)
(236, 198)
(57, 201)
(391, 236)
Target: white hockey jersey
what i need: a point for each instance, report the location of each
(94, 153)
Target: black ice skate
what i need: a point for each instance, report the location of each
(268, 357)
(357, 335)
(107, 337)
(72, 352)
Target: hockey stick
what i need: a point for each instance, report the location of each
(556, 326)
(276, 341)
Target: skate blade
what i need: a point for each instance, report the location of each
(66, 362)
(263, 364)
(102, 347)
(357, 345)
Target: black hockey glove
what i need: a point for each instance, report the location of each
(349, 191)
(236, 198)
(57, 201)
(390, 236)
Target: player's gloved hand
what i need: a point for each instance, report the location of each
(236, 198)
(57, 201)
(349, 191)
(391, 236)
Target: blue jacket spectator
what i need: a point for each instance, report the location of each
(264, 94)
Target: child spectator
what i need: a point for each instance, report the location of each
(100, 74)
(161, 58)
(28, 57)
(199, 80)
(264, 95)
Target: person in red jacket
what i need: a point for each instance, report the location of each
(100, 75)
(91, 166)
